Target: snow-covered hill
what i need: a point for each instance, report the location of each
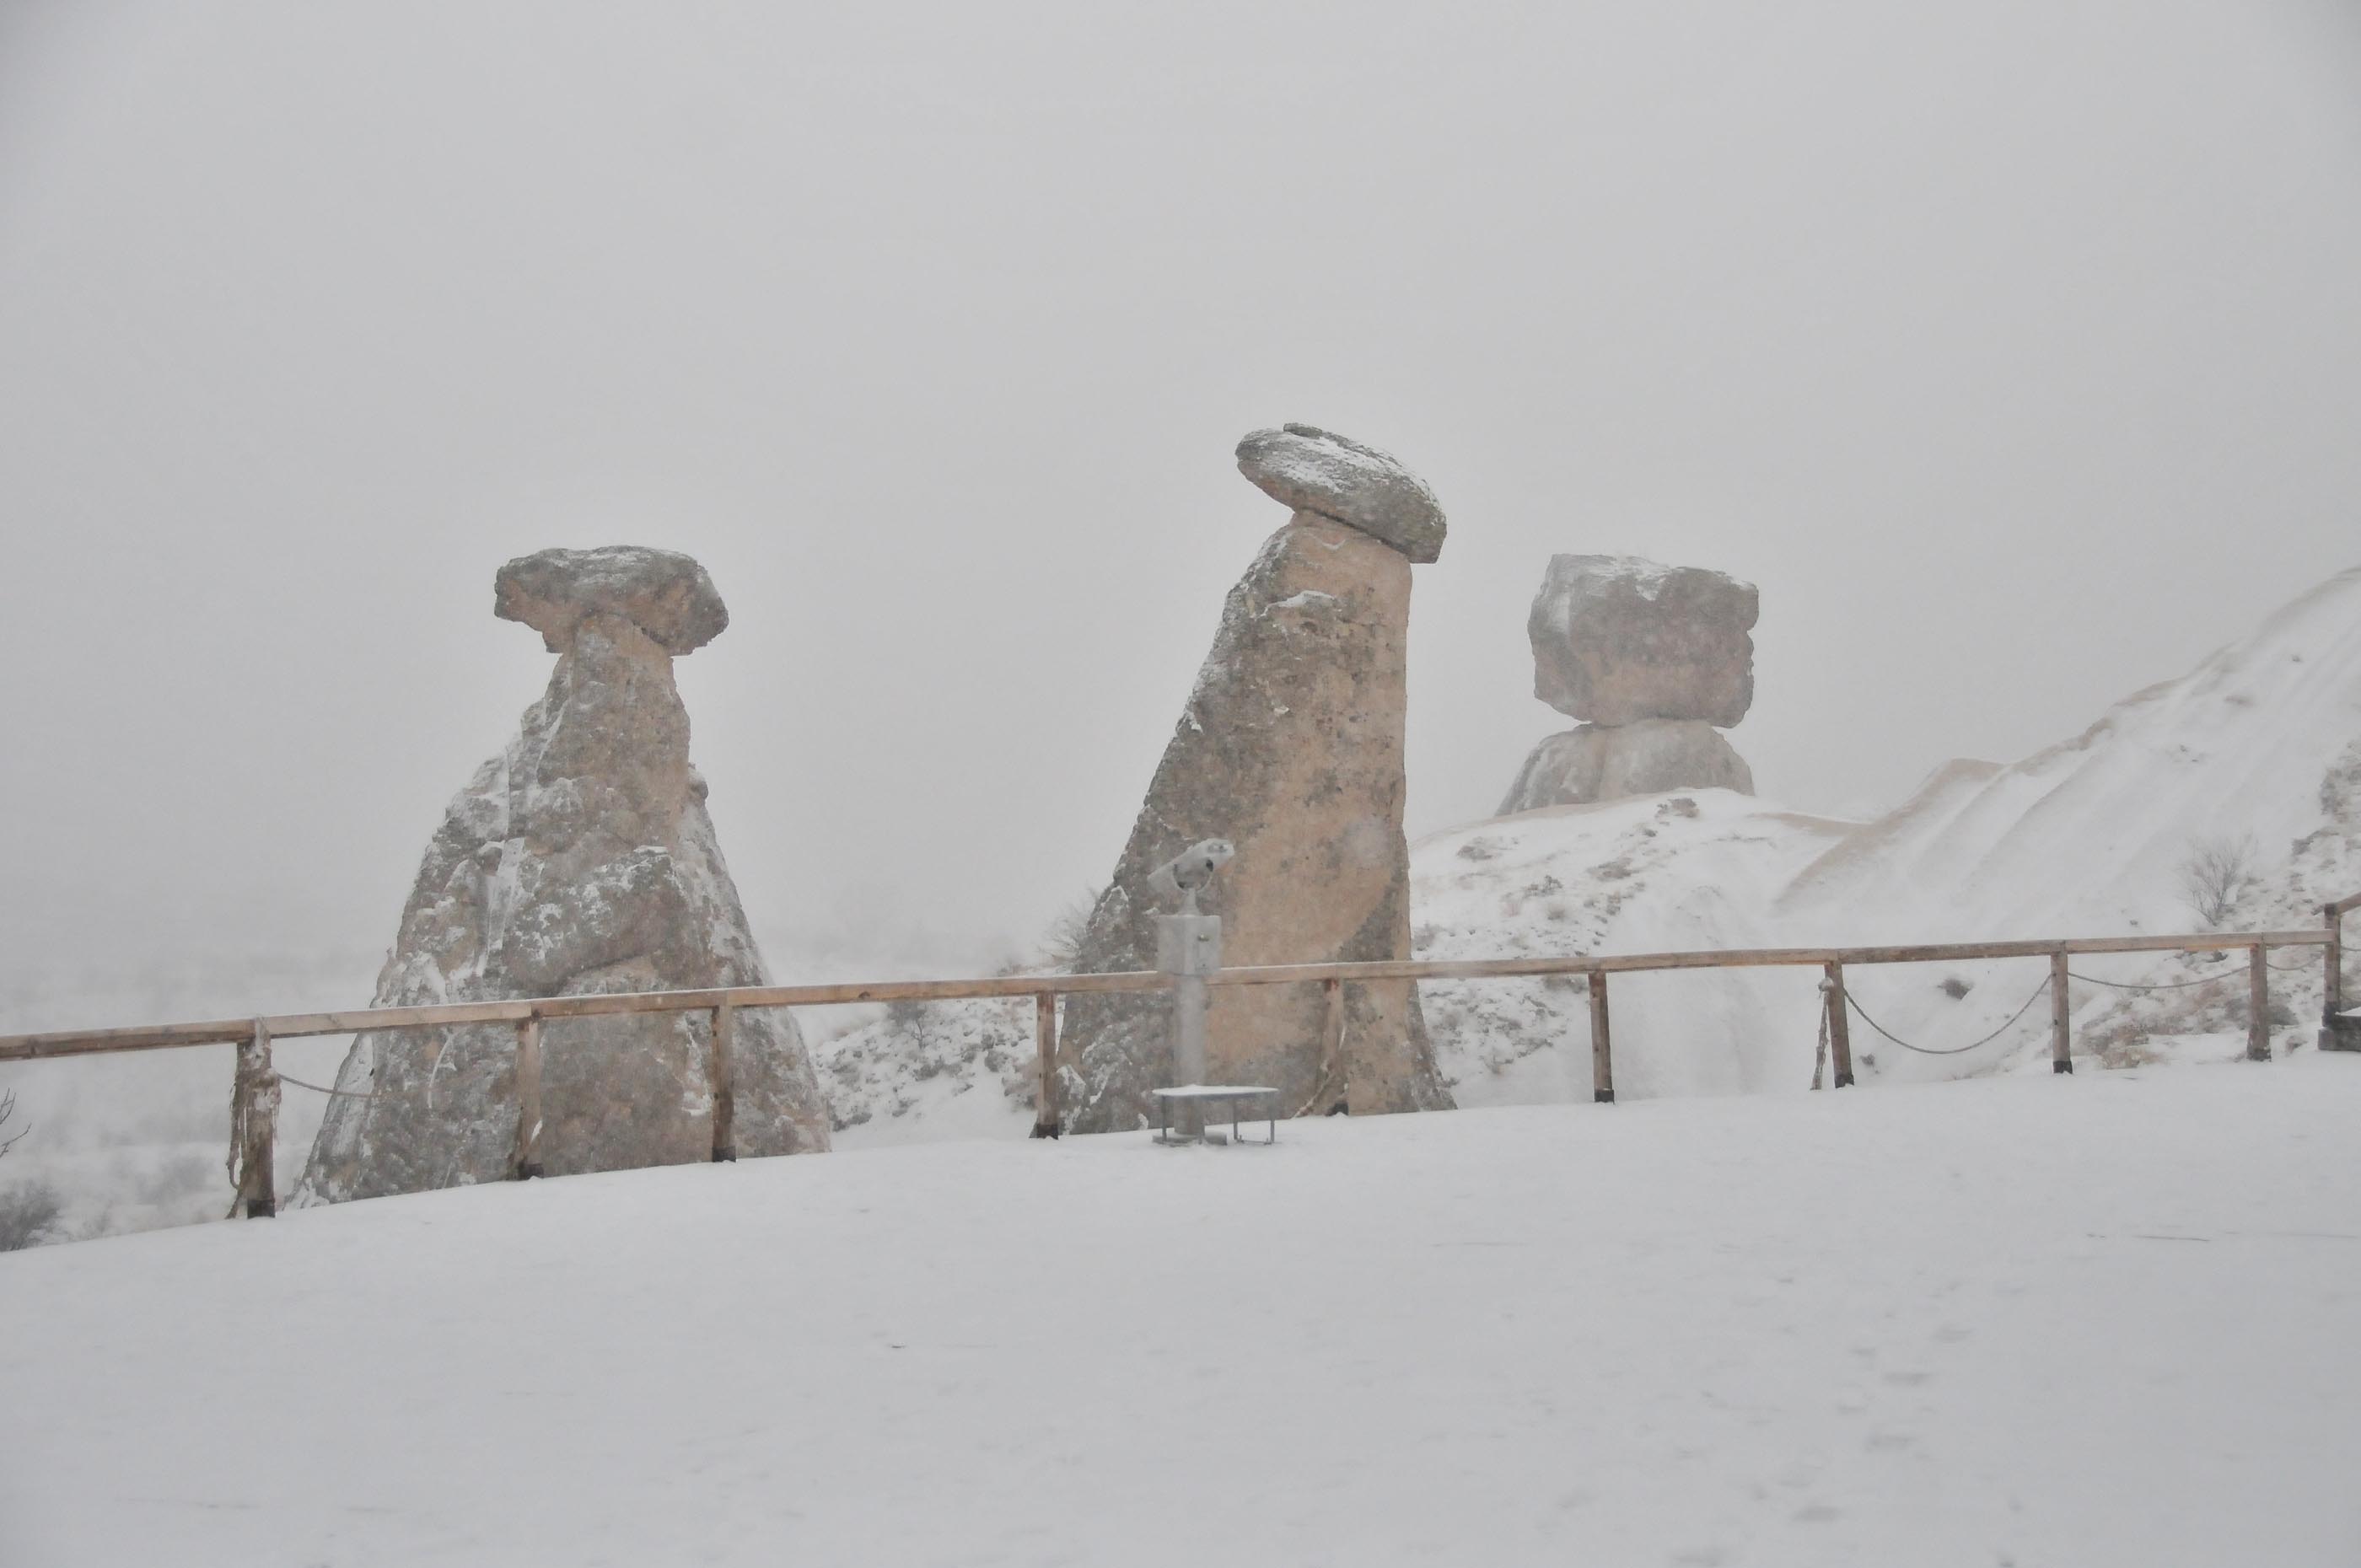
(2261, 741)
(2029, 1320)
(2258, 751)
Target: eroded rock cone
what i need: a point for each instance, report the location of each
(579, 859)
(1291, 748)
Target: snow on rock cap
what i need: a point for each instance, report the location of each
(663, 594)
(1311, 469)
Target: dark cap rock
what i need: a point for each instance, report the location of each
(663, 594)
(1311, 469)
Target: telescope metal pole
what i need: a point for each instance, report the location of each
(1189, 947)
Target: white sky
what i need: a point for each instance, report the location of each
(2013, 349)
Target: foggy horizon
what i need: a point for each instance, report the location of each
(2012, 354)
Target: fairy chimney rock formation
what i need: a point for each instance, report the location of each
(1655, 660)
(580, 858)
(1290, 747)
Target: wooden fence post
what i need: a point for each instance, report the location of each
(2061, 1016)
(1840, 1026)
(1046, 1121)
(528, 1086)
(1602, 1054)
(722, 1072)
(253, 1129)
(2331, 991)
(2258, 1003)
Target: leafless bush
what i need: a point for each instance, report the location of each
(28, 1212)
(2215, 873)
(8, 1108)
(1061, 944)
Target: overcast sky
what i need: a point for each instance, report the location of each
(2012, 348)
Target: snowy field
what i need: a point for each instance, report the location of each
(2107, 1320)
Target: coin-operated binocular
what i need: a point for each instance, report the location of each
(1189, 947)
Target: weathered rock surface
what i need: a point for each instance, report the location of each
(1305, 469)
(579, 859)
(1595, 763)
(666, 596)
(1618, 639)
(1291, 748)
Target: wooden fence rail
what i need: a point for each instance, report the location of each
(258, 1085)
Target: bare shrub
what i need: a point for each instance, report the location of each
(28, 1213)
(2214, 874)
(1061, 944)
(8, 1108)
(102, 1223)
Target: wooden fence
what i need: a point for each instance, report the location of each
(256, 1090)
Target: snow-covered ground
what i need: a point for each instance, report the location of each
(2087, 1322)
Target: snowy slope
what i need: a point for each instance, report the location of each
(2029, 1320)
(2092, 832)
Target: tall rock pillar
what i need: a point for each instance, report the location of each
(1290, 747)
(579, 859)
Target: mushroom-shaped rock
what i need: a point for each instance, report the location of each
(579, 859)
(665, 595)
(1306, 468)
(1290, 747)
(1618, 639)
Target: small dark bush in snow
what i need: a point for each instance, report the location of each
(2214, 874)
(28, 1213)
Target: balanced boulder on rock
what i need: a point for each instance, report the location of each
(580, 858)
(1291, 748)
(1618, 639)
(1653, 658)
